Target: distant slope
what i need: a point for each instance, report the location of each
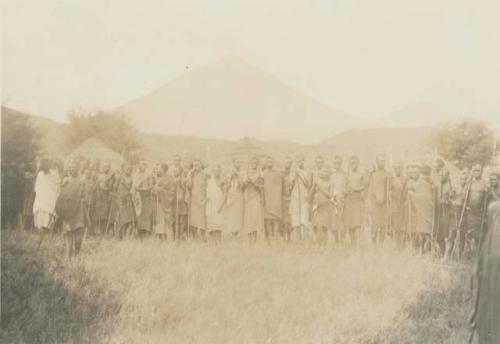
(366, 143)
(401, 143)
(416, 115)
(163, 148)
(231, 99)
(52, 133)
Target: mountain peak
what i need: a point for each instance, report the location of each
(232, 98)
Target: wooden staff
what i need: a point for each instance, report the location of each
(466, 199)
(176, 229)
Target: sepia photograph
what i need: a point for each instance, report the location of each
(250, 172)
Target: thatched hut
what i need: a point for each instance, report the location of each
(95, 149)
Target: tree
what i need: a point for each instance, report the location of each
(113, 129)
(20, 142)
(466, 142)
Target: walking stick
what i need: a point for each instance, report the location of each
(435, 222)
(134, 215)
(300, 206)
(462, 214)
(176, 229)
(483, 217)
(410, 222)
(189, 210)
(464, 205)
(114, 189)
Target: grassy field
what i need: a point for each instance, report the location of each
(147, 292)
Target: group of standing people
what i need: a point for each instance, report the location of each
(414, 205)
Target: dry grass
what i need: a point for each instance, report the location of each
(132, 292)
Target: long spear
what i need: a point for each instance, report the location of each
(462, 213)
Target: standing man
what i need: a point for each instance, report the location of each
(445, 216)
(70, 209)
(177, 163)
(486, 315)
(197, 186)
(234, 199)
(409, 222)
(102, 209)
(273, 199)
(89, 195)
(319, 163)
(378, 197)
(397, 186)
(338, 180)
(422, 199)
(126, 216)
(475, 209)
(163, 197)
(494, 187)
(456, 237)
(29, 196)
(216, 218)
(354, 200)
(180, 204)
(252, 214)
(142, 186)
(47, 187)
(322, 207)
(438, 167)
(286, 196)
(301, 181)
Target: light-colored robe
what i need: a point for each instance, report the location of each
(143, 184)
(377, 195)
(253, 210)
(216, 217)
(299, 198)
(422, 199)
(323, 209)
(197, 201)
(273, 194)
(234, 202)
(353, 213)
(47, 187)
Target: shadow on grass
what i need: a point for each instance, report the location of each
(45, 300)
(439, 316)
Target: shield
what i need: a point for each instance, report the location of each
(137, 200)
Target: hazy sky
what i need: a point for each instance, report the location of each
(365, 57)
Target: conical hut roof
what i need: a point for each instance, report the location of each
(247, 149)
(95, 149)
(244, 150)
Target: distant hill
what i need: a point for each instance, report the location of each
(163, 148)
(231, 99)
(400, 143)
(366, 143)
(416, 115)
(52, 133)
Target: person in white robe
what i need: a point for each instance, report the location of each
(216, 217)
(47, 186)
(301, 181)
